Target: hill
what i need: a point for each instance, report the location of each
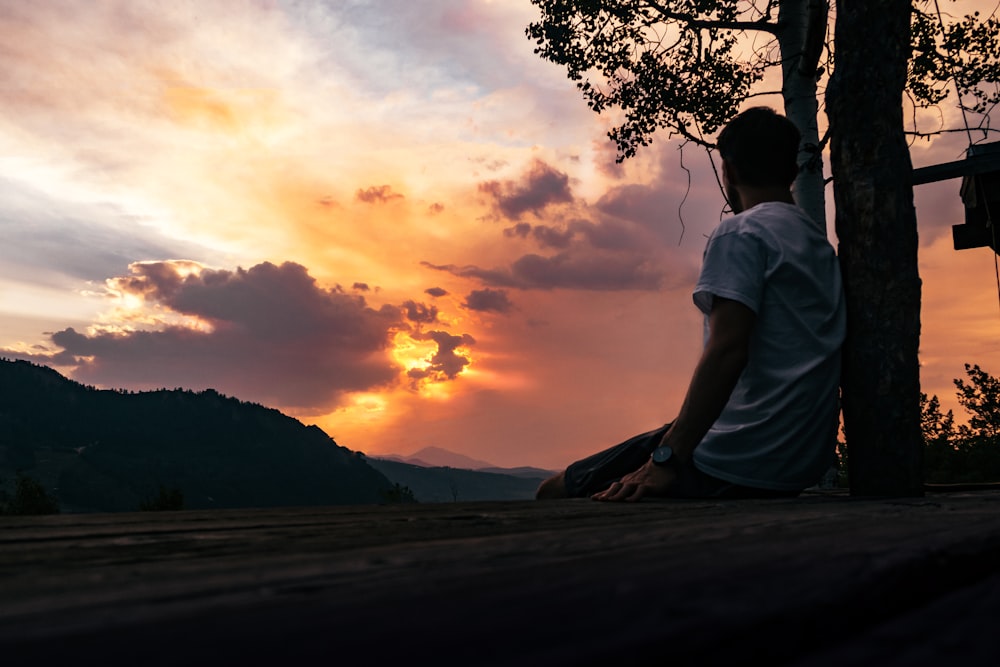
(443, 484)
(439, 457)
(108, 450)
(443, 458)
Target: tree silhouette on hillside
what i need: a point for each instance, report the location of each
(108, 449)
(968, 452)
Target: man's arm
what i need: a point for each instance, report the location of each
(730, 325)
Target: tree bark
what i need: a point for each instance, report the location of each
(876, 226)
(799, 21)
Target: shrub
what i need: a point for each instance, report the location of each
(168, 500)
(398, 494)
(29, 498)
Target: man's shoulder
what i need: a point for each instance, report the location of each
(766, 220)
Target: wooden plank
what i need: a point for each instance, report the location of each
(959, 628)
(973, 164)
(483, 583)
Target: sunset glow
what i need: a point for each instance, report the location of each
(388, 219)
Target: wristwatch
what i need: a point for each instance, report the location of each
(663, 456)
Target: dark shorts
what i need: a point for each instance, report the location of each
(596, 473)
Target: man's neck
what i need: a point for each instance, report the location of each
(750, 196)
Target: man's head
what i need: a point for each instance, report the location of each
(759, 149)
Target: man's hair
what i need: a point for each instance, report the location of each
(761, 146)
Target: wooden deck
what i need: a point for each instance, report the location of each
(811, 581)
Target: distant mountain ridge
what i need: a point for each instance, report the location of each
(108, 450)
(435, 474)
(438, 484)
(439, 457)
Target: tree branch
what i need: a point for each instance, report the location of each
(762, 25)
(925, 135)
(680, 129)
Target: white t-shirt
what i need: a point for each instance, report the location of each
(778, 430)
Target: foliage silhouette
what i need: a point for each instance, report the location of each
(167, 500)
(108, 448)
(398, 494)
(964, 453)
(688, 66)
(29, 497)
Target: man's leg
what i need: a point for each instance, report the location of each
(596, 473)
(692, 483)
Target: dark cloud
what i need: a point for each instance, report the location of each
(436, 291)
(520, 230)
(494, 277)
(546, 236)
(540, 186)
(377, 194)
(275, 337)
(419, 312)
(611, 234)
(552, 237)
(435, 208)
(588, 272)
(445, 363)
(585, 269)
(648, 205)
(626, 241)
(361, 287)
(488, 300)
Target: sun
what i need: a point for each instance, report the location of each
(412, 354)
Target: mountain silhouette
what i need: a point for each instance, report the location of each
(437, 484)
(439, 457)
(109, 450)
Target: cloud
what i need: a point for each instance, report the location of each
(87, 241)
(377, 194)
(539, 187)
(436, 291)
(268, 334)
(666, 202)
(552, 237)
(488, 300)
(607, 256)
(593, 272)
(520, 230)
(624, 241)
(419, 312)
(446, 362)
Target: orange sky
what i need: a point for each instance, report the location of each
(390, 219)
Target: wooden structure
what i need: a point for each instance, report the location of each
(980, 193)
(813, 581)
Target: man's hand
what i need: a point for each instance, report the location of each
(649, 480)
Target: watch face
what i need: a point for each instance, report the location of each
(662, 455)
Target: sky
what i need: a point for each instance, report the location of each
(390, 219)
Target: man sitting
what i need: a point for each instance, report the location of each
(761, 411)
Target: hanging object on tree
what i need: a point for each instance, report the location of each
(981, 196)
(980, 192)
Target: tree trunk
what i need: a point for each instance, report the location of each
(876, 225)
(803, 29)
